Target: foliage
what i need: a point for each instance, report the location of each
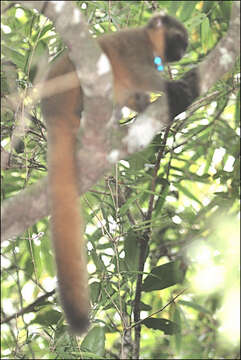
(192, 229)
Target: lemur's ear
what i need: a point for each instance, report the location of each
(156, 21)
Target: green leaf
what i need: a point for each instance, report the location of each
(195, 20)
(16, 57)
(237, 110)
(162, 198)
(167, 326)
(124, 208)
(207, 6)
(178, 335)
(187, 10)
(164, 276)
(89, 355)
(194, 305)
(144, 306)
(225, 7)
(46, 318)
(95, 291)
(188, 193)
(47, 256)
(174, 6)
(95, 341)
(131, 250)
(34, 55)
(45, 30)
(205, 33)
(138, 161)
(100, 266)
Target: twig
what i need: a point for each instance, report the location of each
(29, 308)
(156, 312)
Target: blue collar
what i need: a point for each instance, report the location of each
(158, 63)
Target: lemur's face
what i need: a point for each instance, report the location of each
(176, 38)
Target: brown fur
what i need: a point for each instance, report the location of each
(131, 54)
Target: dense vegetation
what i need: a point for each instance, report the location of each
(172, 208)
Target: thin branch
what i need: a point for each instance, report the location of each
(160, 310)
(143, 249)
(157, 167)
(29, 308)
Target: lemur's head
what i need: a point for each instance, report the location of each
(169, 37)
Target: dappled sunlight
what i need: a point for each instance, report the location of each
(209, 279)
(229, 316)
(217, 269)
(208, 276)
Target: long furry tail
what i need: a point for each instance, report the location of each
(62, 114)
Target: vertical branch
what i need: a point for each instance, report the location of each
(144, 241)
(136, 310)
(118, 200)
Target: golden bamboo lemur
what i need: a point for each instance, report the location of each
(132, 53)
